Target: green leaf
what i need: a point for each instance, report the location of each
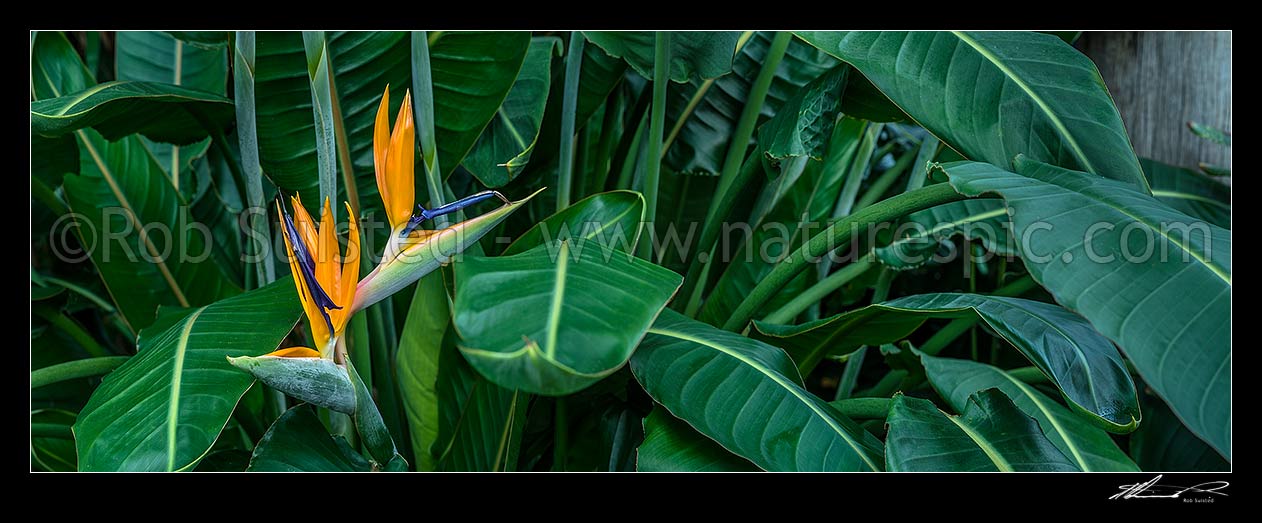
(473, 73)
(53, 454)
(542, 321)
(418, 362)
(983, 220)
(164, 408)
(140, 231)
(703, 138)
(598, 76)
(1170, 313)
(1190, 192)
(992, 435)
(993, 95)
(298, 442)
(1212, 134)
(161, 112)
(506, 144)
(1162, 443)
(671, 445)
(55, 67)
(804, 123)
(459, 420)
(52, 158)
(799, 207)
(151, 56)
(611, 219)
(203, 39)
(1082, 363)
(1089, 447)
(704, 54)
(754, 402)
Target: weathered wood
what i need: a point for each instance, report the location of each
(1162, 80)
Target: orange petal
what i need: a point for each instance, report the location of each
(327, 252)
(399, 167)
(295, 352)
(350, 273)
(304, 224)
(319, 331)
(381, 145)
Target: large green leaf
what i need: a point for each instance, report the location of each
(55, 67)
(137, 228)
(992, 435)
(417, 359)
(1089, 447)
(993, 95)
(505, 146)
(165, 407)
(803, 125)
(1082, 363)
(1190, 192)
(1162, 444)
(748, 397)
(472, 72)
(162, 112)
(458, 419)
(610, 219)
(671, 445)
(152, 56)
(1154, 281)
(544, 321)
(704, 54)
(298, 442)
(798, 208)
(363, 64)
(919, 235)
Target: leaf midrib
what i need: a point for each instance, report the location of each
(177, 376)
(779, 380)
(982, 443)
(1012, 75)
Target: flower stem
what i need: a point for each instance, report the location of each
(834, 236)
(657, 128)
(75, 369)
(817, 292)
(863, 408)
(423, 112)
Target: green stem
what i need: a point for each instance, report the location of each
(561, 443)
(72, 329)
(920, 169)
(883, 282)
(51, 430)
(569, 105)
(733, 174)
(821, 289)
(886, 180)
(859, 168)
(91, 296)
(44, 194)
(833, 237)
(850, 376)
(863, 408)
(75, 369)
(626, 170)
(698, 270)
(423, 113)
(657, 128)
(609, 126)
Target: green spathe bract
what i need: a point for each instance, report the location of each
(314, 380)
(419, 259)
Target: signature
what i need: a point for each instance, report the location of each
(1151, 489)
